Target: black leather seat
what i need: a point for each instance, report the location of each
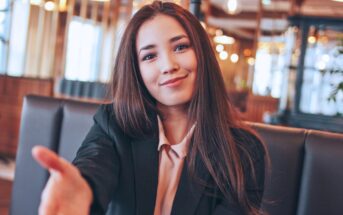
(322, 176)
(306, 173)
(286, 148)
(57, 124)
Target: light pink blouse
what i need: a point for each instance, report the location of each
(170, 167)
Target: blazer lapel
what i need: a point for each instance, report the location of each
(189, 193)
(145, 159)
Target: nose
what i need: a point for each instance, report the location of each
(168, 63)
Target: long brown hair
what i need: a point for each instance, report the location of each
(213, 139)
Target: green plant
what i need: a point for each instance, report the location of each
(337, 70)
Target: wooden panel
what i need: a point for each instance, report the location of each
(12, 91)
(2, 85)
(257, 106)
(5, 197)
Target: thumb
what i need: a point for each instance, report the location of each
(48, 159)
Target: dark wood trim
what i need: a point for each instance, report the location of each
(314, 20)
(25, 78)
(300, 70)
(12, 91)
(218, 12)
(318, 122)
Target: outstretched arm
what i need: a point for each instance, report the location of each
(66, 191)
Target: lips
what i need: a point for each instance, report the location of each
(173, 80)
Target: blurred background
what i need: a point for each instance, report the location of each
(282, 60)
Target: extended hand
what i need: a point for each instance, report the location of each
(66, 192)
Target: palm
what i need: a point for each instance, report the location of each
(66, 192)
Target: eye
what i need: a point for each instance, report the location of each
(148, 57)
(182, 47)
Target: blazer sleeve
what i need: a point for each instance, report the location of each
(98, 162)
(253, 147)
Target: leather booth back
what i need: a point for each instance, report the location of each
(77, 120)
(57, 124)
(322, 178)
(306, 173)
(286, 149)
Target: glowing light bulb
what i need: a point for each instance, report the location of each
(219, 48)
(251, 61)
(49, 6)
(234, 58)
(311, 39)
(232, 6)
(223, 55)
(224, 39)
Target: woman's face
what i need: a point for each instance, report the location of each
(167, 61)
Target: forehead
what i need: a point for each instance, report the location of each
(158, 29)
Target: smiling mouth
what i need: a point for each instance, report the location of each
(173, 80)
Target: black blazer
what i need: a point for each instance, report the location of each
(123, 173)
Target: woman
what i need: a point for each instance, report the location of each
(171, 142)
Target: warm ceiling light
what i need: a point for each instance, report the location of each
(323, 39)
(338, 0)
(234, 58)
(311, 39)
(63, 5)
(224, 39)
(251, 61)
(219, 48)
(233, 6)
(247, 52)
(223, 55)
(49, 6)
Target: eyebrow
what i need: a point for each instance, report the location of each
(173, 39)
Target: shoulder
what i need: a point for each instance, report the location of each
(104, 114)
(105, 118)
(108, 120)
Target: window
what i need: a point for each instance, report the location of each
(83, 50)
(4, 33)
(19, 29)
(323, 72)
(268, 67)
(14, 17)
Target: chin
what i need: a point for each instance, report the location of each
(175, 102)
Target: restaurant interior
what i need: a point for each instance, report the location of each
(281, 60)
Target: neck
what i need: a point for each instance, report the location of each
(175, 122)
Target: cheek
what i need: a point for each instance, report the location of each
(144, 73)
(189, 62)
(149, 77)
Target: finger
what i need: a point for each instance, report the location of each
(48, 204)
(48, 159)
